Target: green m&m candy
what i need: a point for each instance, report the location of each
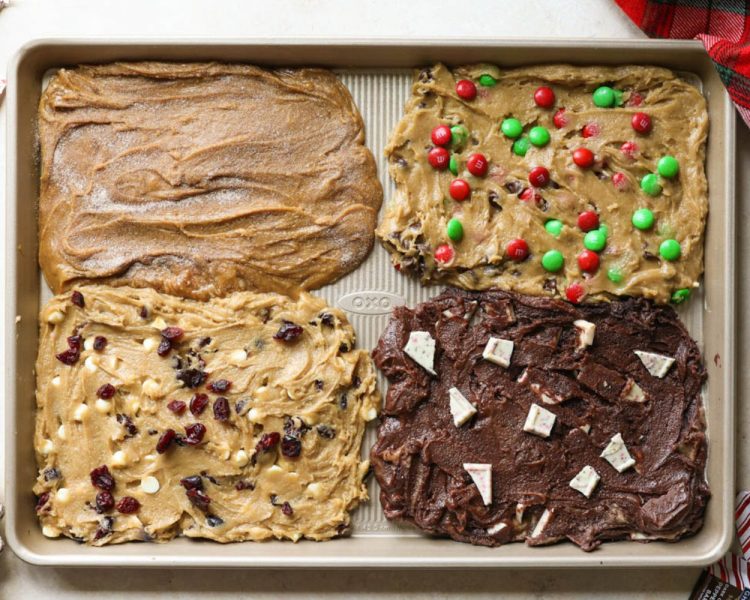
(455, 230)
(604, 97)
(453, 164)
(553, 260)
(618, 97)
(668, 167)
(511, 128)
(650, 184)
(670, 250)
(643, 218)
(521, 146)
(614, 275)
(459, 135)
(604, 229)
(680, 296)
(595, 240)
(487, 80)
(539, 136)
(554, 227)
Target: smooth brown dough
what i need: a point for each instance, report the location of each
(280, 456)
(594, 391)
(415, 222)
(202, 179)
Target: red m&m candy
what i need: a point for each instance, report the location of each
(544, 97)
(539, 176)
(641, 122)
(530, 194)
(588, 261)
(635, 99)
(517, 250)
(590, 130)
(560, 120)
(438, 158)
(460, 190)
(441, 135)
(629, 149)
(583, 157)
(620, 181)
(466, 89)
(575, 293)
(588, 220)
(444, 253)
(477, 165)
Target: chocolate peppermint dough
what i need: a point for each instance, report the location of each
(203, 179)
(240, 418)
(595, 392)
(503, 206)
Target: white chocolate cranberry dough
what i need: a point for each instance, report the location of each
(653, 114)
(202, 179)
(236, 419)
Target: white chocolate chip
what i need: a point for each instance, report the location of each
(421, 349)
(520, 509)
(47, 447)
(61, 432)
(56, 317)
(150, 484)
(315, 490)
(539, 421)
(461, 409)
(481, 474)
(371, 414)
(498, 351)
(119, 459)
(632, 392)
(497, 528)
(103, 406)
(91, 364)
(586, 331)
(616, 454)
(241, 458)
(62, 496)
(273, 469)
(151, 388)
(253, 415)
(151, 457)
(88, 344)
(656, 364)
(586, 481)
(79, 414)
(237, 357)
(542, 523)
(585, 428)
(50, 532)
(56, 381)
(150, 344)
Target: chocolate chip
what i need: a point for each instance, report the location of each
(327, 319)
(192, 378)
(51, 474)
(203, 342)
(77, 299)
(318, 384)
(143, 312)
(343, 348)
(192, 482)
(343, 402)
(214, 521)
(127, 423)
(326, 432)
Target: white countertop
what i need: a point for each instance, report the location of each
(27, 19)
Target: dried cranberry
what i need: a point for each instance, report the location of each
(195, 433)
(127, 423)
(326, 432)
(104, 502)
(198, 498)
(327, 319)
(104, 529)
(244, 485)
(291, 446)
(128, 505)
(172, 333)
(288, 332)
(177, 406)
(198, 403)
(77, 299)
(356, 382)
(286, 508)
(100, 343)
(106, 391)
(74, 342)
(203, 342)
(143, 312)
(220, 386)
(192, 378)
(268, 441)
(343, 402)
(41, 501)
(68, 357)
(319, 384)
(101, 478)
(214, 521)
(221, 409)
(164, 347)
(165, 441)
(192, 482)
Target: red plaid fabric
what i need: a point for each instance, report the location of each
(722, 25)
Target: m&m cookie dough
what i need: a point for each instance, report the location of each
(514, 418)
(574, 182)
(202, 179)
(240, 418)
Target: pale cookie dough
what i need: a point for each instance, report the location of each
(293, 383)
(415, 222)
(203, 179)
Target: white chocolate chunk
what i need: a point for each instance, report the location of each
(102, 406)
(315, 490)
(586, 331)
(498, 351)
(241, 458)
(56, 317)
(371, 414)
(56, 381)
(539, 421)
(523, 377)
(586, 481)
(47, 447)
(237, 357)
(481, 474)
(254, 415)
(50, 532)
(151, 388)
(586, 428)
(62, 496)
(542, 523)
(520, 509)
(88, 344)
(119, 459)
(632, 392)
(91, 364)
(61, 432)
(79, 414)
(421, 349)
(150, 344)
(461, 409)
(150, 484)
(497, 528)
(616, 454)
(158, 323)
(656, 364)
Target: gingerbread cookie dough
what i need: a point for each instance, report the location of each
(552, 180)
(235, 419)
(518, 418)
(202, 179)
